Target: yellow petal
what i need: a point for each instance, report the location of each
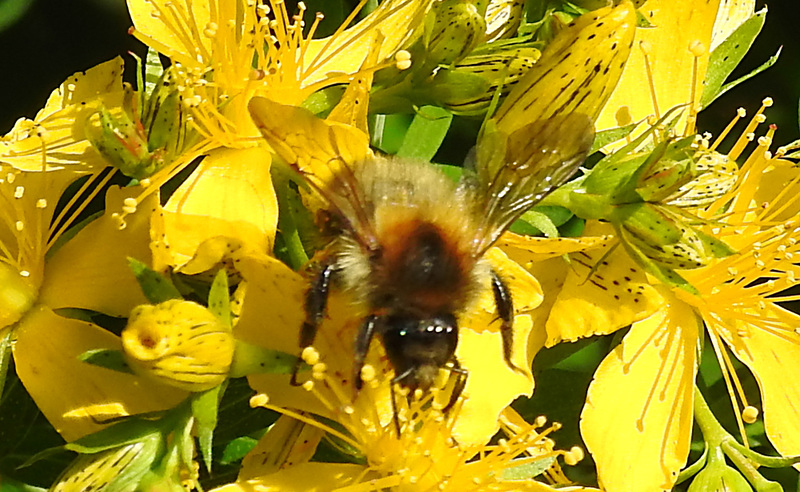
(638, 413)
(272, 313)
(229, 194)
(396, 20)
(677, 26)
(91, 270)
(577, 72)
(528, 249)
(58, 128)
(602, 292)
(46, 357)
(305, 477)
(155, 23)
(772, 354)
(288, 442)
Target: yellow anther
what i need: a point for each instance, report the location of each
(750, 414)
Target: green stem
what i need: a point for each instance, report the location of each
(287, 225)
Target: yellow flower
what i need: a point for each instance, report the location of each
(43, 273)
(224, 53)
(424, 456)
(738, 301)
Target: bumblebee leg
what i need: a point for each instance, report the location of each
(505, 311)
(363, 339)
(316, 304)
(458, 387)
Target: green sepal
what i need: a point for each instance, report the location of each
(664, 174)
(118, 139)
(426, 133)
(121, 433)
(726, 57)
(605, 137)
(219, 298)
(665, 275)
(324, 100)
(585, 205)
(156, 287)
(205, 409)
(717, 247)
(717, 476)
(647, 223)
(541, 220)
(457, 89)
(528, 469)
(108, 359)
(252, 359)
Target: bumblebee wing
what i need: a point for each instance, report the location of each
(324, 154)
(516, 171)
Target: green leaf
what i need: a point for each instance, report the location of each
(727, 56)
(771, 61)
(426, 133)
(155, 286)
(236, 449)
(252, 359)
(11, 11)
(125, 432)
(107, 358)
(205, 407)
(392, 132)
(10, 485)
(219, 299)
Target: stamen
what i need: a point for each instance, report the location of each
(698, 50)
(750, 414)
(646, 50)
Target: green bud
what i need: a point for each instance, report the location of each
(140, 138)
(503, 18)
(469, 86)
(452, 30)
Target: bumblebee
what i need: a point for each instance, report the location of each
(408, 243)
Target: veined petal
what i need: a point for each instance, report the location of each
(678, 25)
(772, 352)
(91, 270)
(528, 249)
(74, 395)
(603, 291)
(229, 194)
(56, 135)
(646, 384)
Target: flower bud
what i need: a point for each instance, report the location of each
(140, 140)
(454, 28)
(117, 469)
(179, 343)
(468, 88)
(666, 237)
